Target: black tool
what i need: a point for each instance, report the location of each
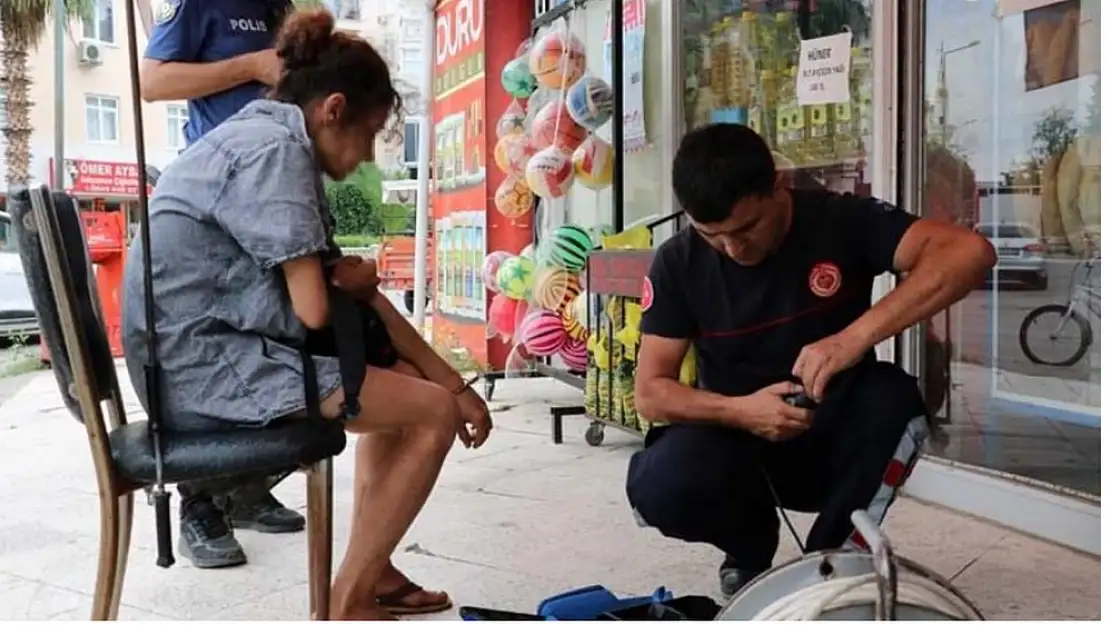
(800, 400)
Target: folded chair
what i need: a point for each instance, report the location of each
(131, 456)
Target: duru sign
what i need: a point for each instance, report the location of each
(458, 28)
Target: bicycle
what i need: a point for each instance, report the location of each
(1065, 318)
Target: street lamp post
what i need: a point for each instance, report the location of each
(59, 93)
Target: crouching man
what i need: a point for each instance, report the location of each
(773, 288)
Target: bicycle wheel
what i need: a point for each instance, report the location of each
(1057, 324)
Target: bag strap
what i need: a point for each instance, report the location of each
(349, 327)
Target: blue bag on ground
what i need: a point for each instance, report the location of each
(594, 603)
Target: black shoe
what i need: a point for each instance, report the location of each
(266, 515)
(733, 578)
(206, 539)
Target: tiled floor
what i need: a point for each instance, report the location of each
(507, 525)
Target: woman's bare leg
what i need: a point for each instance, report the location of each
(387, 500)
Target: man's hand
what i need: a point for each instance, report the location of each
(355, 275)
(818, 362)
(266, 66)
(766, 414)
(475, 422)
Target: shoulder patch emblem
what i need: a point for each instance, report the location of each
(647, 294)
(824, 279)
(166, 11)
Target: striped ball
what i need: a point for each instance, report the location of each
(542, 333)
(567, 247)
(555, 288)
(576, 330)
(575, 355)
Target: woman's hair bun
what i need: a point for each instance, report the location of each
(304, 38)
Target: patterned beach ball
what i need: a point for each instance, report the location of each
(549, 173)
(517, 78)
(553, 126)
(542, 333)
(512, 153)
(575, 354)
(515, 277)
(593, 163)
(557, 59)
(576, 329)
(513, 198)
(490, 266)
(502, 316)
(555, 288)
(567, 247)
(590, 102)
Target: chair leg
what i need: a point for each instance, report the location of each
(319, 539)
(115, 538)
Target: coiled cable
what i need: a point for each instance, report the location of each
(810, 603)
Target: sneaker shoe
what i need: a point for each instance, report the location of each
(266, 515)
(206, 539)
(733, 578)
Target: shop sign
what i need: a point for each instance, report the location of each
(100, 178)
(458, 28)
(619, 272)
(823, 70)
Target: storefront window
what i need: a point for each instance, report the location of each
(1012, 105)
(740, 65)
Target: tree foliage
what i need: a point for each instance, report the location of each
(356, 203)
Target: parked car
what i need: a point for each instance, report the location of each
(17, 314)
(1022, 256)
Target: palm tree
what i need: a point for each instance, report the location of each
(22, 23)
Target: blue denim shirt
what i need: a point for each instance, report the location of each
(225, 214)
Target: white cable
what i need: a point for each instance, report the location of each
(810, 603)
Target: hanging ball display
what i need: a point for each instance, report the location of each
(553, 126)
(579, 310)
(512, 153)
(513, 198)
(555, 288)
(517, 78)
(490, 266)
(549, 173)
(528, 251)
(515, 277)
(593, 163)
(542, 333)
(567, 247)
(575, 329)
(575, 354)
(502, 316)
(590, 102)
(558, 59)
(512, 120)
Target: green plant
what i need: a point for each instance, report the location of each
(357, 240)
(353, 211)
(397, 218)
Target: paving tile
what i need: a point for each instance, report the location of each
(30, 600)
(938, 539)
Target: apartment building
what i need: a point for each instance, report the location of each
(99, 132)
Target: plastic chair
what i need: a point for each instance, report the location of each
(125, 455)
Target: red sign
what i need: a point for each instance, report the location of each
(619, 272)
(100, 178)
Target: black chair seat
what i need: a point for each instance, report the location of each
(193, 456)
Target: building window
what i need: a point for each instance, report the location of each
(176, 116)
(101, 26)
(410, 63)
(101, 119)
(411, 29)
(412, 143)
(345, 9)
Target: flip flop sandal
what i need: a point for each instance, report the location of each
(394, 602)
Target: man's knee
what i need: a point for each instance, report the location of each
(670, 488)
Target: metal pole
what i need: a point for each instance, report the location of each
(423, 159)
(59, 93)
(616, 25)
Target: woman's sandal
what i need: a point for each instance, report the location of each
(394, 601)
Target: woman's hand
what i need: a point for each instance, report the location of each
(355, 275)
(474, 421)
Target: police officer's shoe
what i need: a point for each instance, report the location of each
(265, 514)
(733, 578)
(206, 539)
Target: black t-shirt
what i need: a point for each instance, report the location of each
(749, 323)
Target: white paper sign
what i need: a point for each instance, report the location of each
(823, 68)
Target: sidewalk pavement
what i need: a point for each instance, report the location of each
(507, 525)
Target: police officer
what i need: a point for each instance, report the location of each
(218, 56)
(773, 287)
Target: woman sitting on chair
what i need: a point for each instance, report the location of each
(240, 243)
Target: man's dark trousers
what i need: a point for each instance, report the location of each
(709, 484)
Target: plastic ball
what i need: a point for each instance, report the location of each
(580, 308)
(567, 247)
(502, 315)
(513, 198)
(528, 251)
(512, 120)
(490, 266)
(576, 329)
(515, 277)
(590, 102)
(593, 163)
(542, 333)
(549, 173)
(553, 126)
(517, 78)
(558, 59)
(555, 288)
(512, 153)
(575, 354)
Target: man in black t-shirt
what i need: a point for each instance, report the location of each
(773, 288)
